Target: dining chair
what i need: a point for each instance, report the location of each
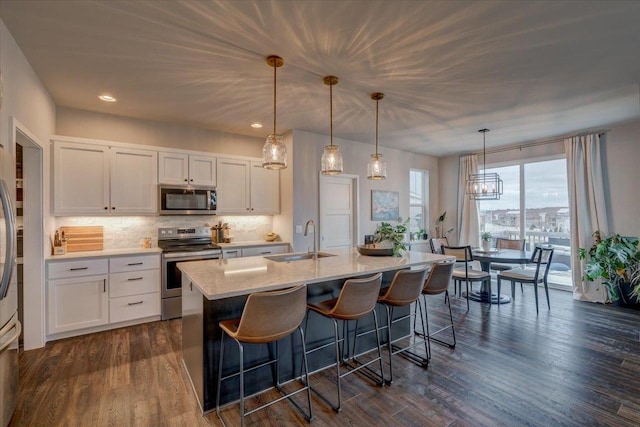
(437, 243)
(541, 257)
(502, 243)
(464, 256)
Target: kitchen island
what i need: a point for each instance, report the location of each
(215, 290)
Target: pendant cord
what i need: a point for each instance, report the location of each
(275, 72)
(377, 128)
(331, 113)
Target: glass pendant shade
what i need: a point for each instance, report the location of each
(274, 153)
(331, 160)
(484, 186)
(376, 168)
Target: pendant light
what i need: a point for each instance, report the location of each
(274, 152)
(484, 186)
(331, 156)
(377, 168)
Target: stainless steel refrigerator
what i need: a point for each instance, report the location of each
(9, 325)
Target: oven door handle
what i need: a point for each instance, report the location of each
(193, 255)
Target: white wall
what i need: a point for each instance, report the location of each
(307, 152)
(622, 154)
(87, 124)
(26, 99)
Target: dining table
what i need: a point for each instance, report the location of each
(503, 256)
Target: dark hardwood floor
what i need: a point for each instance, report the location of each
(577, 365)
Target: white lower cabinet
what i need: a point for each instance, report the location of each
(96, 293)
(77, 303)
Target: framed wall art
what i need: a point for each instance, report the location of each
(385, 205)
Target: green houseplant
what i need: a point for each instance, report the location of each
(615, 260)
(486, 240)
(394, 234)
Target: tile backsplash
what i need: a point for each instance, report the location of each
(129, 231)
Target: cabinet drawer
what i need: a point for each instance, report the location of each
(88, 267)
(134, 307)
(143, 262)
(265, 250)
(134, 283)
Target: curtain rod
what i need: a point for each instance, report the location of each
(536, 143)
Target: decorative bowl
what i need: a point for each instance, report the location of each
(270, 237)
(363, 250)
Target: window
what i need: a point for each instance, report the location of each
(418, 200)
(534, 207)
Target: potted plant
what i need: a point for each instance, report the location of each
(393, 235)
(615, 260)
(486, 240)
(423, 234)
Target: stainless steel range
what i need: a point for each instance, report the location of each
(179, 245)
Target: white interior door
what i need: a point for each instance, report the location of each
(338, 211)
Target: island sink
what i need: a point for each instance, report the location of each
(296, 257)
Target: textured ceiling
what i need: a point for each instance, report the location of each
(525, 69)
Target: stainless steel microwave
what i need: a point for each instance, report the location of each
(187, 200)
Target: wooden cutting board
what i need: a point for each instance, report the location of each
(81, 238)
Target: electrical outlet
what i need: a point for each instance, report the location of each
(298, 229)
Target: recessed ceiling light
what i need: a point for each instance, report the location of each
(107, 98)
(256, 125)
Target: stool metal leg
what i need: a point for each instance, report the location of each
(390, 341)
(375, 321)
(306, 373)
(335, 330)
(241, 349)
(220, 374)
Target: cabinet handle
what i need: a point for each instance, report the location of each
(113, 207)
(191, 180)
(135, 263)
(78, 268)
(265, 252)
(185, 180)
(136, 303)
(104, 285)
(232, 252)
(134, 278)
(190, 286)
(251, 208)
(106, 208)
(247, 208)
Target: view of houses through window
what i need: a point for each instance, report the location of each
(539, 190)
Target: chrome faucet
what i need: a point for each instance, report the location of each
(306, 233)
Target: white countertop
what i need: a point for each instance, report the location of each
(224, 278)
(249, 244)
(104, 253)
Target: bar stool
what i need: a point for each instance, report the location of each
(357, 299)
(437, 283)
(405, 289)
(258, 325)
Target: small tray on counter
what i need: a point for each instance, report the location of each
(362, 250)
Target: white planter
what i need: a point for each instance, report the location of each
(486, 245)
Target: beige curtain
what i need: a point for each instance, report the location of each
(468, 219)
(588, 210)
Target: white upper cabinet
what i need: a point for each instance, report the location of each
(265, 190)
(202, 170)
(134, 186)
(95, 179)
(80, 179)
(233, 186)
(179, 169)
(246, 187)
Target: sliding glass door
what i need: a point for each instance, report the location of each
(534, 207)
